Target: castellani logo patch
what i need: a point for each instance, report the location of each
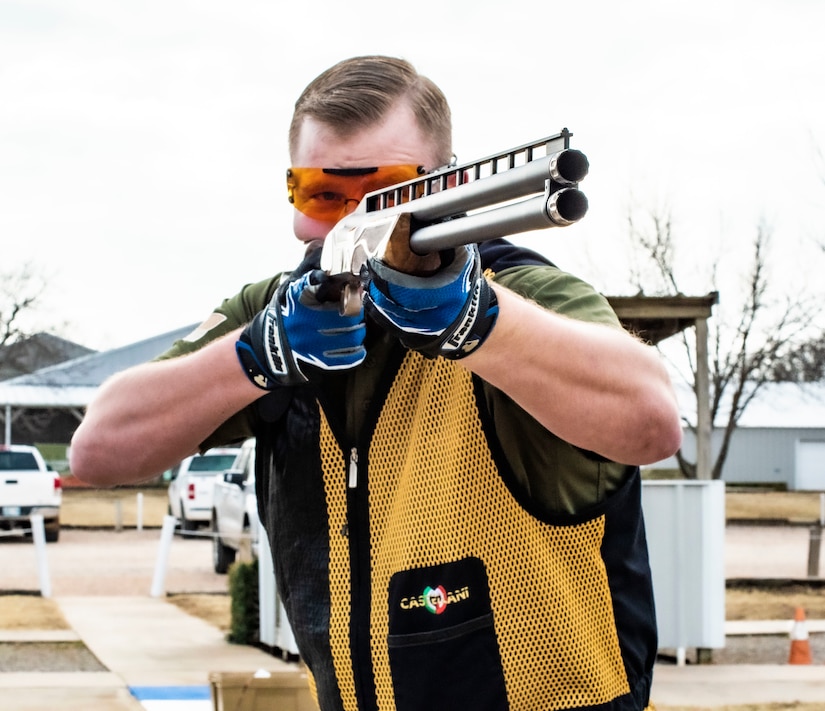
(435, 600)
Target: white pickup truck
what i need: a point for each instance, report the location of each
(190, 491)
(28, 486)
(235, 511)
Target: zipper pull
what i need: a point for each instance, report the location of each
(353, 468)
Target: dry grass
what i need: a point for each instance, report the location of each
(33, 612)
(102, 508)
(774, 603)
(214, 609)
(793, 506)
(30, 612)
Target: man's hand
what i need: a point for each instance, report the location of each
(297, 332)
(449, 313)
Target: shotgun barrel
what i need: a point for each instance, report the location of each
(530, 187)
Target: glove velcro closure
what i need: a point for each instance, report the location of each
(264, 353)
(474, 324)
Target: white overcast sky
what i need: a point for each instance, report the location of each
(143, 142)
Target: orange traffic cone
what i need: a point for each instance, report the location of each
(800, 646)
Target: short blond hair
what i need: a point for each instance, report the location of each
(358, 92)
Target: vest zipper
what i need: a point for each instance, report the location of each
(352, 480)
(361, 594)
(358, 532)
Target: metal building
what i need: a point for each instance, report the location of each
(780, 439)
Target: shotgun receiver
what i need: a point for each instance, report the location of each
(531, 187)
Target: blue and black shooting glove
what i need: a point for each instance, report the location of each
(298, 332)
(449, 313)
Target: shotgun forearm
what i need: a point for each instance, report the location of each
(534, 186)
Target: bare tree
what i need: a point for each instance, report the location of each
(21, 290)
(749, 339)
(22, 302)
(804, 365)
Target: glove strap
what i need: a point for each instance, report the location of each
(474, 325)
(264, 353)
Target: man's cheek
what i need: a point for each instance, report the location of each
(306, 229)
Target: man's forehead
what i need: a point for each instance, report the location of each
(397, 139)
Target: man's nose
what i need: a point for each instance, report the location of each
(350, 204)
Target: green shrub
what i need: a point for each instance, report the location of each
(244, 625)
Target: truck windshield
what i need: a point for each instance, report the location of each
(17, 461)
(213, 463)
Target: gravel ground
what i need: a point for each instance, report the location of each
(765, 649)
(753, 649)
(47, 657)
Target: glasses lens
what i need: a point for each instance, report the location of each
(328, 194)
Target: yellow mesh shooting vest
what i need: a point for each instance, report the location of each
(435, 495)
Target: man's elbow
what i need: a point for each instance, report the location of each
(662, 435)
(81, 464)
(87, 462)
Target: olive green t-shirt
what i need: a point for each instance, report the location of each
(557, 476)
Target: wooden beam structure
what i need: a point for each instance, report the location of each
(656, 318)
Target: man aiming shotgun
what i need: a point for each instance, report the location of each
(448, 476)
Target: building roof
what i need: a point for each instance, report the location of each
(787, 406)
(73, 383)
(37, 351)
(776, 406)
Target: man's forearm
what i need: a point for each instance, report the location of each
(594, 386)
(146, 419)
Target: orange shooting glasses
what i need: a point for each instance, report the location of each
(328, 194)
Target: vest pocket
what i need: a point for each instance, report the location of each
(442, 645)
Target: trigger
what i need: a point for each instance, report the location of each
(352, 296)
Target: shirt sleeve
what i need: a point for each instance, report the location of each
(559, 477)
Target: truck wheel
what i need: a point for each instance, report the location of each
(186, 525)
(222, 555)
(52, 532)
